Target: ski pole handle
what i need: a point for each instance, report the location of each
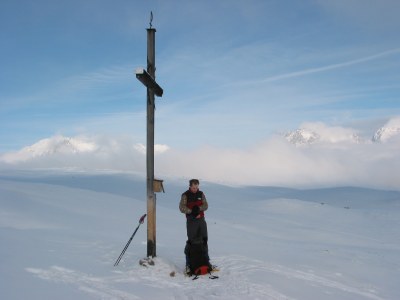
(141, 221)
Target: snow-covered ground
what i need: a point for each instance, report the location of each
(61, 233)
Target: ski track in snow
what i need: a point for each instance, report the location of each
(253, 265)
(95, 286)
(234, 281)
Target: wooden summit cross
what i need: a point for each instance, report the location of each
(148, 79)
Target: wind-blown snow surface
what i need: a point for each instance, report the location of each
(61, 233)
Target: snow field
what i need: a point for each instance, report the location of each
(61, 234)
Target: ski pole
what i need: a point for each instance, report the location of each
(141, 221)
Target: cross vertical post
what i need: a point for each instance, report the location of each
(151, 200)
(153, 89)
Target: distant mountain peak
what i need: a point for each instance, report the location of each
(52, 146)
(61, 144)
(306, 136)
(302, 137)
(386, 133)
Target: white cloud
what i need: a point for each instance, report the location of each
(334, 161)
(276, 162)
(158, 148)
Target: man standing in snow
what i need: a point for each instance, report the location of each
(193, 203)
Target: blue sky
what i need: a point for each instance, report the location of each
(233, 72)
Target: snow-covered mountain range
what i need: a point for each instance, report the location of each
(51, 146)
(309, 134)
(306, 136)
(61, 144)
(314, 155)
(312, 133)
(68, 146)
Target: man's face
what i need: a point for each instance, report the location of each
(194, 188)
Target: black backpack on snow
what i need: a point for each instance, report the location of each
(199, 261)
